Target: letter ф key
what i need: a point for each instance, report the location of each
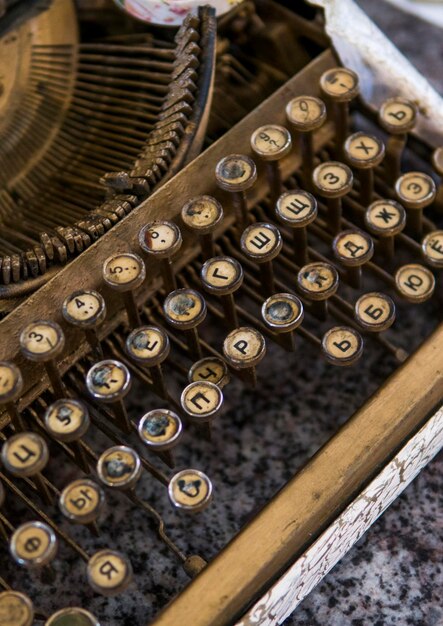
(42, 342)
(161, 430)
(415, 190)
(162, 240)
(244, 348)
(86, 309)
(190, 490)
(236, 174)
(333, 180)
(271, 143)
(110, 381)
(342, 345)
(149, 346)
(201, 402)
(11, 387)
(68, 420)
(125, 272)
(33, 545)
(262, 242)
(223, 276)
(26, 455)
(353, 248)
(202, 215)
(109, 572)
(74, 616)
(16, 609)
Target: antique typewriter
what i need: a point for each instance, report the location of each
(171, 321)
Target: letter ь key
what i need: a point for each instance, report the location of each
(342, 345)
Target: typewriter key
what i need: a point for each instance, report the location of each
(109, 572)
(210, 368)
(386, 219)
(190, 490)
(161, 430)
(125, 272)
(271, 143)
(82, 501)
(297, 209)
(42, 342)
(86, 309)
(416, 191)
(237, 173)
(364, 152)
(262, 242)
(342, 345)
(222, 276)
(162, 240)
(333, 180)
(203, 215)
(318, 282)
(432, 249)
(26, 455)
(353, 248)
(16, 609)
(33, 544)
(283, 313)
(437, 164)
(72, 616)
(243, 349)
(11, 387)
(110, 381)
(68, 420)
(397, 117)
(415, 282)
(306, 114)
(185, 309)
(149, 346)
(119, 467)
(375, 312)
(201, 402)
(340, 86)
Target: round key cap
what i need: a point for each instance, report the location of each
(11, 387)
(109, 572)
(119, 467)
(353, 248)
(271, 142)
(432, 248)
(340, 83)
(397, 115)
(333, 180)
(375, 312)
(318, 281)
(67, 420)
(190, 490)
(201, 400)
(297, 209)
(282, 312)
(222, 276)
(16, 609)
(124, 272)
(415, 190)
(108, 380)
(72, 616)
(41, 341)
(364, 152)
(210, 368)
(236, 173)
(306, 113)
(84, 308)
(386, 219)
(82, 501)
(342, 345)
(202, 215)
(25, 454)
(262, 242)
(243, 349)
(185, 309)
(415, 282)
(160, 429)
(162, 239)
(148, 345)
(33, 544)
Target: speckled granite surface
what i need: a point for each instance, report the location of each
(393, 576)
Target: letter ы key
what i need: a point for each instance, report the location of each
(162, 240)
(149, 346)
(161, 430)
(109, 381)
(42, 342)
(237, 173)
(262, 242)
(201, 401)
(296, 210)
(82, 501)
(243, 349)
(223, 276)
(86, 309)
(125, 272)
(202, 215)
(271, 143)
